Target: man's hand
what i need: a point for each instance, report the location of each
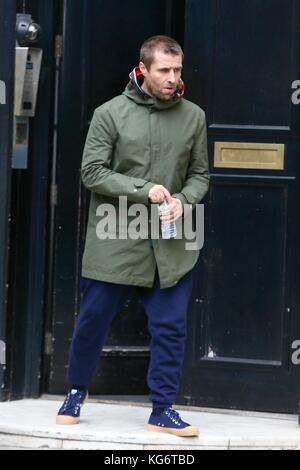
(159, 193)
(173, 212)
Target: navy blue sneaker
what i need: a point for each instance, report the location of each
(69, 412)
(169, 421)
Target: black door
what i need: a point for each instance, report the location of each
(241, 61)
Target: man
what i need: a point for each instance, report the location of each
(149, 145)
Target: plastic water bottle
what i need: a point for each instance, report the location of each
(168, 230)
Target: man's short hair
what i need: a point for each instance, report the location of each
(158, 43)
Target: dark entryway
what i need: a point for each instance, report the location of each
(101, 42)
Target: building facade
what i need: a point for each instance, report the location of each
(241, 66)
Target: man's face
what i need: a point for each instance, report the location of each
(162, 79)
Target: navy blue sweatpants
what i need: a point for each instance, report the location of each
(166, 311)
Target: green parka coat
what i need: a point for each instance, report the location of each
(133, 143)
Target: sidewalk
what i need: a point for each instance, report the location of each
(114, 426)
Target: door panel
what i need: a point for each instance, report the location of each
(245, 272)
(251, 55)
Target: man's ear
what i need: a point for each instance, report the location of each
(143, 68)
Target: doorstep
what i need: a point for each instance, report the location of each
(113, 425)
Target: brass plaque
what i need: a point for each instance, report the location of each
(249, 155)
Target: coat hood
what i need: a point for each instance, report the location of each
(135, 92)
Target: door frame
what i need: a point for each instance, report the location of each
(26, 219)
(7, 49)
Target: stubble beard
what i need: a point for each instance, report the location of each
(157, 94)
